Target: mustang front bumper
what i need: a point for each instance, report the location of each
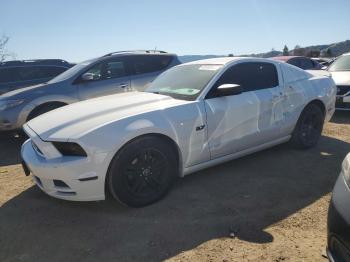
(69, 178)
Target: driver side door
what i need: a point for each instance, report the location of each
(251, 118)
(109, 77)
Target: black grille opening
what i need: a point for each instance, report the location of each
(342, 90)
(67, 193)
(342, 105)
(60, 183)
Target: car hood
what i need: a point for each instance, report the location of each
(75, 120)
(319, 72)
(23, 92)
(341, 78)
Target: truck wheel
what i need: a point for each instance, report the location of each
(309, 127)
(142, 172)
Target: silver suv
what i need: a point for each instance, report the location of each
(112, 73)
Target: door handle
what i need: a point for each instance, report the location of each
(123, 85)
(201, 127)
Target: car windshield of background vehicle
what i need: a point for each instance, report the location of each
(70, 72)
(341, 64)
(184, 82)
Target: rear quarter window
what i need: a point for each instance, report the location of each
(39, 72)
(148, 63)
(306, 64)
(293, 74)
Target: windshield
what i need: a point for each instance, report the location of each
(70, 72)
(341, 64)
(184, 82)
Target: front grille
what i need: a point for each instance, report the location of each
(341, 105)
(60, 183)
(342, 90)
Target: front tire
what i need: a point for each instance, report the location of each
(142, 172)
(44, 109)
(309, 127)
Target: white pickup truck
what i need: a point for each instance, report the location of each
(193, 116)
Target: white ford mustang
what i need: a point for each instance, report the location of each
(193, 116)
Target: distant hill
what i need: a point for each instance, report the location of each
(338, 48)
(333, 50)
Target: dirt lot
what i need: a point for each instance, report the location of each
(274, 201)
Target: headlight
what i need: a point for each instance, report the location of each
(6, 104)
(346, 169)
(69, 149)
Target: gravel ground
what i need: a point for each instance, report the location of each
(269, 206)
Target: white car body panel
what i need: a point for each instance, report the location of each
(342, 78)
(233, 126)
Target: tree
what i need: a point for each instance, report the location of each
(285, 50)
(4, 53)
(230, 55)
(329, 53)
(299, 51)
(313, 53)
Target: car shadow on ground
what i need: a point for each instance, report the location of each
(246, 195)
(10, 147)
(341, 117)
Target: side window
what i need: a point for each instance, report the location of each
(294, 62)
(96, 71)
(9, 75)
(108, 70)
(306, 64)
(52, 71)
(114, 69)
(143, 64)
(250, 76)
(30, 73)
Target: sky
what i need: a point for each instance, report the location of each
(77, 30)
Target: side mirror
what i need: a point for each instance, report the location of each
(88, 77)
(228, 90)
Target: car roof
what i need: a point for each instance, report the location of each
(286, 58)
(225, 60)
(48, 62)
(138, 52)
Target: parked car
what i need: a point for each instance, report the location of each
(22, 73)
(340, 71)
(339, 217)
(191, 117)
(300, 61)
(324, 61)
(109, 74)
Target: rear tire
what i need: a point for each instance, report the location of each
(142, 172)
(309, 127)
